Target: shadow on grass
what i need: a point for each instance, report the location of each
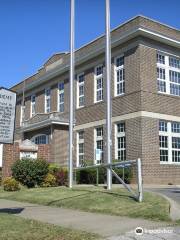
(11, 210)
(88, 192)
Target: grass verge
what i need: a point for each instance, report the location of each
(116, 202)
(13, 228)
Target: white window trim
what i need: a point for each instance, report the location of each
(78, 142)
(167, 69)
(115, 75)
(116, 135)
(58, 93)
(169, 134)
(95, 83)
(46, 97)
(78, 85)
(31, 113)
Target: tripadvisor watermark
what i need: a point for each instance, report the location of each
(140, 231)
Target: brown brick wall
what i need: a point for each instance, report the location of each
(11, 153)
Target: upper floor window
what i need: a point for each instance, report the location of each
(48, 100)
(120, 142)
(119, 76)
(40, 139)
(80, 90)
(99, 145)
(61, 97)
(33, 105)
(99, 83)
(169, 142)
(168, 74)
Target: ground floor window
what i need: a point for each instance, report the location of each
(80, 148)
(40, 139)
(120, 141)
(169, 142)
(99, 145)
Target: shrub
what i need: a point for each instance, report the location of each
(30, 172)
(89, 176)
(62, 177)
(10, 184)
(53, 168)
(49, 181)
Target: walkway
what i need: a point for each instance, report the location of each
(107, 226)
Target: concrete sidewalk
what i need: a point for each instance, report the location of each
(105, 225)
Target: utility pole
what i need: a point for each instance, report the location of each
(71, 95)
(108, 96)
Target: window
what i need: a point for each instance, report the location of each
(120, 142)
(40, 139)
(168, 74)
(80, 148)
(169, 142)
(33, 105)
(61, 97)
(119, 76)
(99, 145)
(47, 100)
(99, 83)
(22, 115)
(80, 90)
(161, 80)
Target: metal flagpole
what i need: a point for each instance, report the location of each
(108, 95)
(71, 96)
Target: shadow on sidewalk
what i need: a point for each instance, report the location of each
(11, 210)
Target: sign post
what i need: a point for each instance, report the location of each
(7, 115)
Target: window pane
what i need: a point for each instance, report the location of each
(175, 89)
(119, 61)
(174, 62)
(164, 155)
(161, 86)
(160, 58)
(175, 127)
(174, 76)
(161, 73)
(162, 126)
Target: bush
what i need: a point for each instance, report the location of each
(62, 177)
(88, 176)
(49, 181)
(53, 168)
(10, 184)
(30, 172)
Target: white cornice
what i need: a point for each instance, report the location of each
(139, 31)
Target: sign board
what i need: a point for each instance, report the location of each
(32, 155)
(28, 149)
(98, 156)
(7, 115)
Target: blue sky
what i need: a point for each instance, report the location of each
(31, 31)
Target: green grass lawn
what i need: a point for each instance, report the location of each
(16, 228)
(95, 199)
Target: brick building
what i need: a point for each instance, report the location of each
(145, 101)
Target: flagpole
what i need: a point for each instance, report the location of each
(108, 95)
(71, 95)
